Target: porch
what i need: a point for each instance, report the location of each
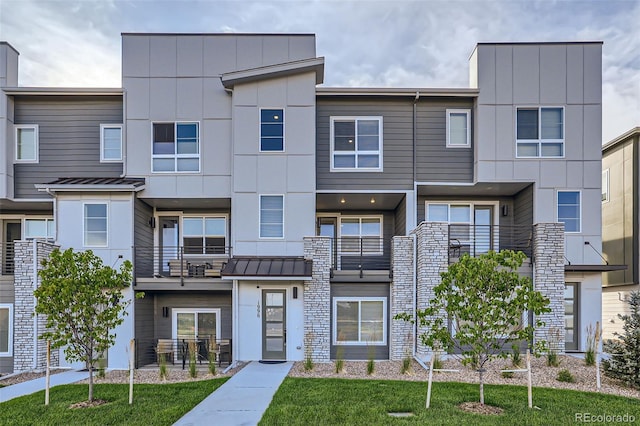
(177, 353)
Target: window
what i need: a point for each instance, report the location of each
(361, 233)
(204, 235)
(110, 142)
(6, 329)
(27, 143)
(271, 130)
(569, 210)
(271, 216)
(176, 147)
(356, 143)
(39, 228)
(540, 132)
(359, 321)
(605, 186)
(458, 132)
(201, 323)
(95, 225)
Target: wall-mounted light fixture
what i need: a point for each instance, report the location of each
(505, 210)
(165, 312)
(295, 292)
(152, 222)
(342, 200)
(373, 200)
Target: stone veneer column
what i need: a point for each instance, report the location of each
(548, 278)
(433, 259)
(401, 333)
(24, 307)
(317, 300)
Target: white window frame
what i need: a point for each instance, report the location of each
(379, 152)
(102, 129)
(467, 112)
(8, 306)
(579, 210)
(203, 217)
(540, 141)
(176, 311)
(605, 196)
(334, 325)
(470, 203)
(260, 130)
(47, 221)
(84, 218)
(177, 156)
(260, 216)
(360, 218)
(36, 132)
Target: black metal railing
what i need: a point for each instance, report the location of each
(180, 351)
(478, 239)
(7, 250)
(360, 254)
(179, 261)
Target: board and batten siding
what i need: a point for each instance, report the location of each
(69, 139)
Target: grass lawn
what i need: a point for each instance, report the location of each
(152, 404)
(367, 402)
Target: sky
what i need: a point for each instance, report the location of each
(397, 43)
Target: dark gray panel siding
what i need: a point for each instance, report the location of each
(69, 139)
(145, 330)
(434, 161)
(6, 364)
(523, 207)
(360, 290)
(397, 121)
(401, 218)
(7, 293)
(143, 239)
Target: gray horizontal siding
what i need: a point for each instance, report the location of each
(7, 293)
(69, 139)
(523, 207)
(6, 364)
(145, 330)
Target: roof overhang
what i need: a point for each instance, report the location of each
(92, 185)
(594, 268)
(230, 79)
(494, 189)
(267, 268)
(415, 93)
(64, 91)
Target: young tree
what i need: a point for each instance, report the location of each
(82, 299)
(478, 309)
(624, 363)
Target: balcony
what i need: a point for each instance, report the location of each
(478, 239)
(360, 254)
(8, 261)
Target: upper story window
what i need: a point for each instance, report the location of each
(110, 142)
(271, 130)
(569, 211)
(540, 132)
(271, 216)
(361, 235)
(356, 144)
(458, 129)
(39, 228)
(204, 234)
(95, 225)
(605, 186)
(26, 143)
(176, 147)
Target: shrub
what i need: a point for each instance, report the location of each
(308, 363)
(437, 361)
(371, 366)
(552, 359)
(339, 360)
(624, 363)
(507, 374)
(590, 353)
(212, 365)
(516, 358)
(193, 354)
(565, 375)
(163, 366)
(406, 365)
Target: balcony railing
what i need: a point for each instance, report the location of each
(360, 254)
(478, 239)
(179, 351)
(8, 262)
(179, 261)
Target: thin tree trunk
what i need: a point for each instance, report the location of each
(90, 382)
(481, 371)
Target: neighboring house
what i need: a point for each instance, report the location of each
(620, 244)
(284, 220)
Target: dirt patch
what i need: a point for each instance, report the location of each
(477, 408)
(89, 404)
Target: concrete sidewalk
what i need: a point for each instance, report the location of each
(242, 400)
(35, 385)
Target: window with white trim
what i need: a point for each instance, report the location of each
(204, 234)
(6, 329)
(271, 130)
(95, 225)
(540, 132)
(110, 142)
(359, 321)
(176, 147)
(605, 186)
(356, 143)
(271, 216)
(360, 234)
(26, 143)
(569, 211)
(39, 228)
(458, 128)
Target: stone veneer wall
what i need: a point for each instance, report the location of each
(548, 278)
(401, 333)
(317, 300)
(25, 307)
(433, 258)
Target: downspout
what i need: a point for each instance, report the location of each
(34, 244)
(234, 326)
(415, 293)
(124, 133)
(55, 211)
(415, 136)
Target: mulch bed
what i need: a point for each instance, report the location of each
(477, 408)
(89, 404)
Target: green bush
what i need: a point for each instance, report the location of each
(552, 359)
(565, 375)
(507, 374)
(371, 366)
(516, 358)
(406, 365)
(624, 363)
(590, 353)
(308, 364)
(163, 366)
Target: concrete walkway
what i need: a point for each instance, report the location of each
(242, 400)
(35, 385)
